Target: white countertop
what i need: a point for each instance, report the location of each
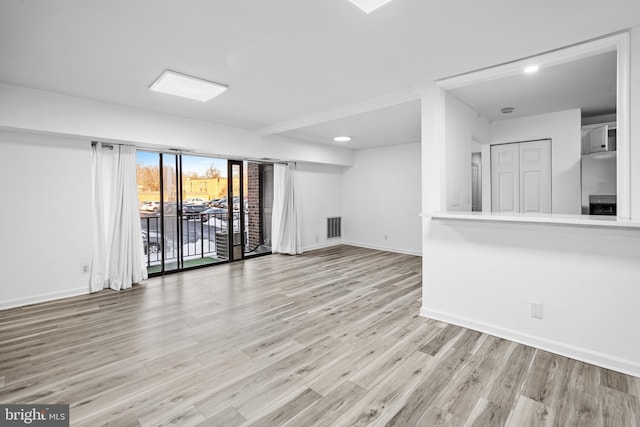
(553, 219)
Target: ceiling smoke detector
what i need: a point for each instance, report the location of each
(507, 110)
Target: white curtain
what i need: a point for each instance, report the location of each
(285, 223)
(118, 254)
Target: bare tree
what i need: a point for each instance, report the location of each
(212, 172)
(148, 178)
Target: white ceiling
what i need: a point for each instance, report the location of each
(299, 67)
(588, 83)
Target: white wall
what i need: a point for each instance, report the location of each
(45, 220)
(465, 130)
(46, 167)
(381, 199)
(634, 117)
(564, 130)
(320, 189)
(483, 275)
(42, 111)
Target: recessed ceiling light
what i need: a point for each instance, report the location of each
(369, 6)
(187, 86)
(342, 139)
(531, 69)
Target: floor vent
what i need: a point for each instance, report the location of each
(334, 227)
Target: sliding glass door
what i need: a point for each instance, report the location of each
(197, 211)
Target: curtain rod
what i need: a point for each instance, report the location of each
(110, 146)
(104, 144)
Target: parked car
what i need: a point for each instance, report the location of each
(152, 242)
(219, 213)
(220, 203)
(195, 201)
(150, 207)
(193, 211)
(236, 204)
(154, 207)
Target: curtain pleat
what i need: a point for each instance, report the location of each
(285, 224)
(118, 253)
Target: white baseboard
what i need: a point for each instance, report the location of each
(329, 243)
(384, 248)
(20, 302)
(595, 358)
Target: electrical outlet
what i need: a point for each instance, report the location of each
(386, 237)
(317, 239)
(85, 268)
(536, 309)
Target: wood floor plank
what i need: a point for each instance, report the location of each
(446, 336)
(460, 395)
(505, 389)
(579, 409)
(549, 375)
(326, 410)
(529, 413)
(620, 409)
(229, 417)
(386, 398)
(288, 410)
(331, 337)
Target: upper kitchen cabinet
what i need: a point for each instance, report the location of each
(598, 137)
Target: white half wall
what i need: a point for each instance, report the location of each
(320, 198)
(381, 199)
(484, 275)
(564, 130)
(45, 222)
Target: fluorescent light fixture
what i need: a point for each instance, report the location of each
(342, 139)
(531, 69)
(369, 6)
(186, 86)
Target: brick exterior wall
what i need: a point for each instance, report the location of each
(253, 197)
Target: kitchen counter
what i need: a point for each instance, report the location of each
(592, 221)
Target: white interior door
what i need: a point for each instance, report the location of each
(505, 176)
(521, 177)
(535, 176)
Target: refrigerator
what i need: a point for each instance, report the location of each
(598, 176)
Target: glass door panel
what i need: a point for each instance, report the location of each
(204, 193)
(157, 196)
(236, 210)
(169, 220)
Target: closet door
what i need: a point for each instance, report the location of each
(535, 176)
(505, 176)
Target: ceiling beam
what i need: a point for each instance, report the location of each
(371, 104)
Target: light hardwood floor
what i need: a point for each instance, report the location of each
(329, 338)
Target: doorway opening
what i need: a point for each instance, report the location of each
(476, 182)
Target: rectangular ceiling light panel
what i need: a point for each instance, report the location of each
(186, 86)
(369, 5)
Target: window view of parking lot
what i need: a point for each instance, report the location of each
(187, 210)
